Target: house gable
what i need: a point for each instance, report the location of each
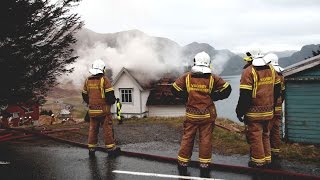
(126, 72)
(124, 80)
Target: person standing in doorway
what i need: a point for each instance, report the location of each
(199, 88)
(119, 106)
(99, 95)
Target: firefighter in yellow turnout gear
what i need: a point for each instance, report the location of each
(275, 139)
(259, 90)
(99, 95)
(118, 111)
(199, 88)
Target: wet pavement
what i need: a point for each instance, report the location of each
(61, 161)
(26, 160)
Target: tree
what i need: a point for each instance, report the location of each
(36, 38)
(316, 53)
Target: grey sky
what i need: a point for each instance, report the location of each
(238, 25)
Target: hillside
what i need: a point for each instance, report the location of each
(138, 51)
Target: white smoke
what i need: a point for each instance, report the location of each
(218, 62)
(137, 54)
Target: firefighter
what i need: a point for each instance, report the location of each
(99, 95)
(119, 105)
(259, 89)
(199, 88)
(275, 139)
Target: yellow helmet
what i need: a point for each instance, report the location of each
(248, 57)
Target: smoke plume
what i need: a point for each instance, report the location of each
(147, 58)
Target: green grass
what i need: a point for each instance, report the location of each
(224, 141)
(78, 110)
(229, 142)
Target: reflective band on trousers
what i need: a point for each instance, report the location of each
(275, 150)
(110, 146)
(185, 160)
(268, 158)
(202, 160)
(257, 114)
(278, 108)
(92, 145)
(260, 161)
(197, 116)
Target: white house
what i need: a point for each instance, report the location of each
(141, 101)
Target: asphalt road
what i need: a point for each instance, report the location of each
(51, 160)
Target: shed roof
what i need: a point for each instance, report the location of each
(302, 65)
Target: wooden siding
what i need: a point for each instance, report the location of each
(303, 109)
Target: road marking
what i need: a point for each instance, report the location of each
(4, 163)
(161, 175)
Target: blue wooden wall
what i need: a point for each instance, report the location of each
(302, 107)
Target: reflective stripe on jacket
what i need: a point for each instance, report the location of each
(261, 83)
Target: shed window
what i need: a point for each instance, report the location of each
(126, 95)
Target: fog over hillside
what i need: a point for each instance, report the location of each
(148, 58)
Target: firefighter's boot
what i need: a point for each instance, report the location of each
(115, 152)
(183, 170)
(205, 170)
(255, 165)
(92, 152)
(275, 162)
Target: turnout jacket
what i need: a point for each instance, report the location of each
(259, 90)
(199, 91)
(98, 94)
(278, 108)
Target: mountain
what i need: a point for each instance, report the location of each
(233, 66)
(165, 49)
(305, 52)
(282, 54)
(224, 61)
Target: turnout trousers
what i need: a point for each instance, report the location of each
(275, 139)
(187, 142)
(95, 123)
(258, 136)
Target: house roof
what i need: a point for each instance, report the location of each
(134, 80)
(161, 94)
(301, 66)
(160, 91)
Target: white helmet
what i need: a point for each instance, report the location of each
(257, 57)
(255, 53)
(201, 63)
(98, 66)
(273, 58)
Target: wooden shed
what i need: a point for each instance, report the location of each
(302, 104)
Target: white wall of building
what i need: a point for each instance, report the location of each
(144, 99)
(139, 98)
(167, 110)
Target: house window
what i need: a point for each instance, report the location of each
(126, 95)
